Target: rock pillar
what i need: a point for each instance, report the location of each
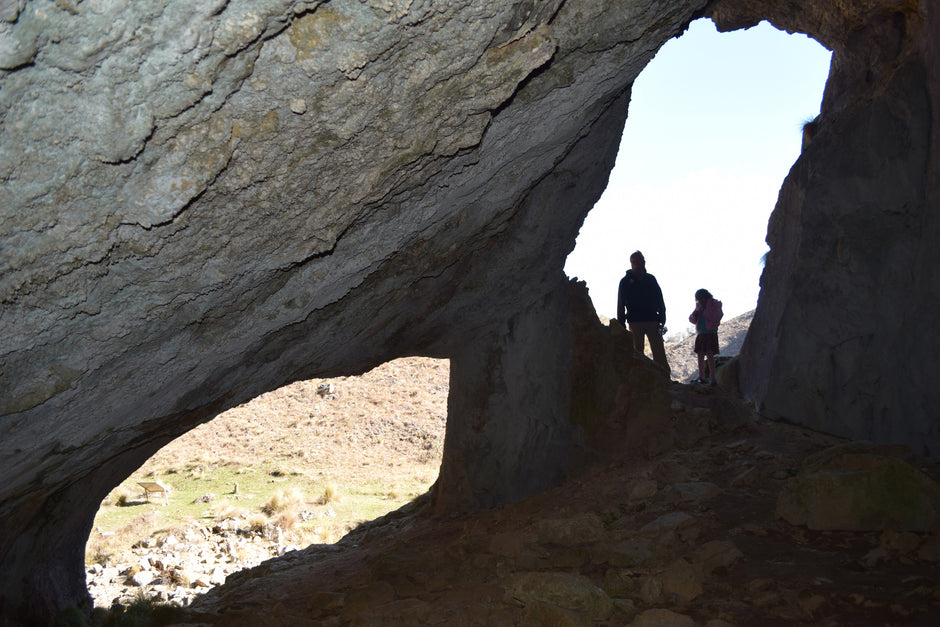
(508, 429)
(844, 337)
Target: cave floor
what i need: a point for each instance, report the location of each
(688, 537)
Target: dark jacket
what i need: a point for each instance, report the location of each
(640, 299)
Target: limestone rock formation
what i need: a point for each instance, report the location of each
(843, 337)
(203, 201)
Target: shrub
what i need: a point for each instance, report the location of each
(330, 495)
(287, 520)
(283, 500)
(226, 510)
(257, 523)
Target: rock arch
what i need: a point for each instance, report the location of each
(204, 202)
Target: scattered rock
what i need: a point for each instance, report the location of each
(903, 543)
(875, 557)
(745, 478)
(548, 566)
(625, 607)
(569, 591)
(810, 603)
(642, 489)
(222, 549)
(217, 578)
(670, 471)
(682, 581)
(930, 550)
(651, 589)
(696, 492)
(298, 105)
(628, 553)
(716, 554)
(620, 583)
(668, 522)
(581, 529)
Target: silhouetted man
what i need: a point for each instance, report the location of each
(640, 303)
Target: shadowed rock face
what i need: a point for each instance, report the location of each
(204, 201)
(843, 337)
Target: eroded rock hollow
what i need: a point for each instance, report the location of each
(203, 201)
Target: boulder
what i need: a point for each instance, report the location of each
(569, 591)
(581, 529)
(143, 578)
(681, 581)
(715, 555)
(853, 487)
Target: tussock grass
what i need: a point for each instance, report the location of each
(330, 495)
(228, 510)
(365, 450)
(144, 610)
(257, 522)
(287, 520)
(282, 501)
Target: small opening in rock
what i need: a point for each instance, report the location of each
(715, 123)
(297, 466)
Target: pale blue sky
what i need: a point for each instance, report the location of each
(714, 126)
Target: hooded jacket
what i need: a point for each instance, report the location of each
(711, 310)
(639, 299)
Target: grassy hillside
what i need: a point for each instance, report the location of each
(314, 465)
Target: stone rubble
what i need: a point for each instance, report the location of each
(676, 539)
(175, 569)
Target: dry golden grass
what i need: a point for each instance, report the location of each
(372, 445)
(228, 510)
(283, 501)
(105, 549)
(330, 495)
(392, 417)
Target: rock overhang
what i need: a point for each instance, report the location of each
(202, 203)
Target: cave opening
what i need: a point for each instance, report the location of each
(715, 123)
(300, 465)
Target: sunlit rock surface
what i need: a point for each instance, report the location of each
(203, 201)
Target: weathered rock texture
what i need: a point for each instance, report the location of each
(844, 337)
(202, 201)
(858, 486)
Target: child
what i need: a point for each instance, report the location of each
(706, 317)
